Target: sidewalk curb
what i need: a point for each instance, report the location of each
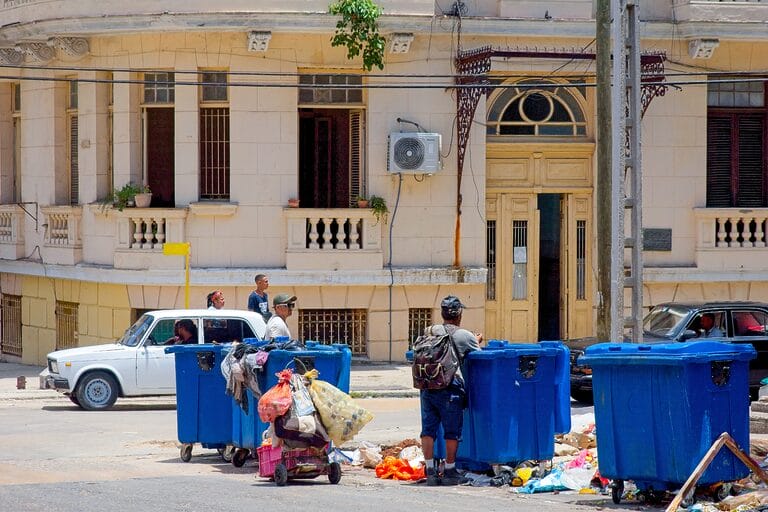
(372, 393)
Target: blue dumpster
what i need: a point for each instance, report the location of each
(331, 361)
(659, 408)
(512, 404)
(203, 410)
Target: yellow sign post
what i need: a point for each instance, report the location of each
(181, 249)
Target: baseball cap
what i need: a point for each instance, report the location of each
(283, 298)
(451, 305)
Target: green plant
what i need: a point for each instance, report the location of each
(120, 198)
(379, 207)
(358, 30)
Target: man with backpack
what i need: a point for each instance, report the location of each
(437, 359)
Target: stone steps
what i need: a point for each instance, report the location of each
(758, 417)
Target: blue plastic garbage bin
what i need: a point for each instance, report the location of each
(203, 409)
(659, 408)
(512, 404)
(331, 361)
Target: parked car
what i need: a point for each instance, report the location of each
(94, 377)
(739, 322)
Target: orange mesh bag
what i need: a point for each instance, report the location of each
(278, 399)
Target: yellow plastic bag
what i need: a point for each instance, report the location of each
(341, 417)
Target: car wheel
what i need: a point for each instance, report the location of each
(97, 391)
(74, 399)
(617, 491)
(581, 395)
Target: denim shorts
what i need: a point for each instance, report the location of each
(444, 406)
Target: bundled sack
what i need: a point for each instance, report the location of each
(301, 431)
(302, 401)
(341, 417)
(277, 401)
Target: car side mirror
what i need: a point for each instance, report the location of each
(688, 334)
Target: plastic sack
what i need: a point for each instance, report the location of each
(278, 400)
(369, 454)
(302, 401)
(342, 417)
(398, 469)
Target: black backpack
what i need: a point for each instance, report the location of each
(434, 360)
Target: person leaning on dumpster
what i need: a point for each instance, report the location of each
(447, 405)
(276, 327)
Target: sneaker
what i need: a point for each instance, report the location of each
(453, 477)
(432, 479)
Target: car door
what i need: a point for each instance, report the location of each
(749, 326)
(225, 329)
(156, 370)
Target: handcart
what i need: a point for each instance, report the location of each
(283, 464)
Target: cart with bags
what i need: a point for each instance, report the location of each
(307, 418)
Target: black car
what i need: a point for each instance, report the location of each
(734, 322)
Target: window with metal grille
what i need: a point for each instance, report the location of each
(214, 153)
(66, 325)
(330, 88)
(10, 338)
(736, 156)
(159, 87)
(490, 259)
(74, 172)
(418, 320)
(328, 326)
(520, 259)
(581, 259)
(16, 97)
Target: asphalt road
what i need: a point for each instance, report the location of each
(55, 457)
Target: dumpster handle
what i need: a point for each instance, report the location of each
(527, 366)
(720, 372)
(206, 360)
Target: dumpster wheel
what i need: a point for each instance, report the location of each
(617, 490)
(226, 453)
(186, 452)
(281, 475)
(240, 456)
(722, 491)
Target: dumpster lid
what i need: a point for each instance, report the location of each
(511, 350)
(195, 347)
(666, 353)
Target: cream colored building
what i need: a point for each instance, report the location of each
(220, 108)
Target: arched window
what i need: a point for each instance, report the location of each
(527, 110)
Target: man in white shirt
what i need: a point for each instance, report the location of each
(283, 307)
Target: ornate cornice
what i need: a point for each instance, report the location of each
(72, 46)
(38, 50)
(11, 56)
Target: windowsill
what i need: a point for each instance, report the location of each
(213, 209)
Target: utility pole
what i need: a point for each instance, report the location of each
(603, 191)
(619, 176)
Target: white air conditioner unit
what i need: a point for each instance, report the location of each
(414, 153)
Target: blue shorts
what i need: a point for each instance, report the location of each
(444, 406)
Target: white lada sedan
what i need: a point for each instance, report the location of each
(94, 377)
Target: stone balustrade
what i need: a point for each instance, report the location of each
(141, 233)
(731, 238)
(11, 232)
(333, 238)
(62, 225)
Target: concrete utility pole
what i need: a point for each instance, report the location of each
(603, 191)
(619, 171)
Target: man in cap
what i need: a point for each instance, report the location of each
(283, 304)
(446, 406)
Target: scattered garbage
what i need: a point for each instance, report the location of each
(398, 469)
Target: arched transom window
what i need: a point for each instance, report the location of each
(528, 110)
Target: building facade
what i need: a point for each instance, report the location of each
(227, 111)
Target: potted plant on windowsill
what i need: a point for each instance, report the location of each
(293, 202)
(379, 207)
(122, 197)
(144, 198)
(362, 202)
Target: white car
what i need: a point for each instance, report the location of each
(136, 365)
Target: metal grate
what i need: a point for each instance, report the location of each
(520, 259)
(10, 340)
(214, 154)
(328, 326)
(74, 169)
(581, 259)
(356, 161)
(418, 320)
(66, 325)
(490, 259)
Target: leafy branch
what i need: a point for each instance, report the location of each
(358, 30)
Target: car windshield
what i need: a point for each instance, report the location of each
(135, 332)
(664, 320)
